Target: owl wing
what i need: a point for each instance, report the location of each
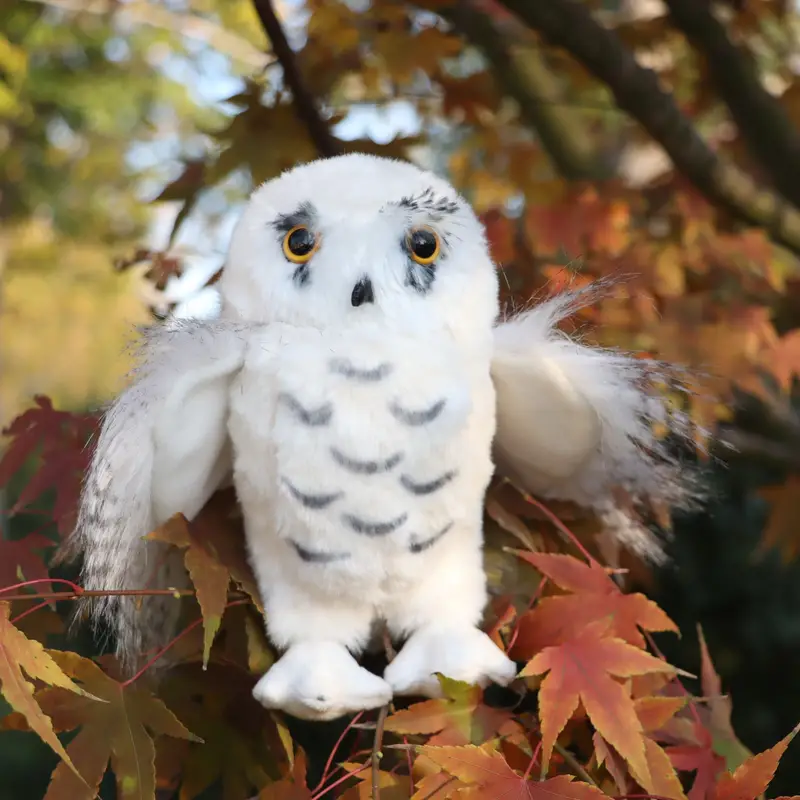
(162, 448)
(575, 422)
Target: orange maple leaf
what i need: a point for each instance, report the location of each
(486, 775)
(457, 718)
(582, 669)
(751, 779)
(121, 730)
(18, 653)
(595, 596)
(210, 578)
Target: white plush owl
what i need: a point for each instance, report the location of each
(359, 388)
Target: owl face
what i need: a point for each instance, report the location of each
(360, 241)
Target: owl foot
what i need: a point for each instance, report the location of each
(465, 654)
(320, 681)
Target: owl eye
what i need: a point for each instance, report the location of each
(423, 245)
(300, 244)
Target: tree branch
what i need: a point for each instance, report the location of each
(304, 103)
(764, 125)
(636, 89)
(533, 87)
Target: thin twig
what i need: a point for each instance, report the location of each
(340, 781)
(377, 743)
(326, 771)
(77, 595)
(577, 769)
(562, 527)
(170, 644)
(304, 104)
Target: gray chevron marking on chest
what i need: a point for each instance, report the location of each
(427, 487)
(365, 467)
(346, 368)
(312, 501)
(315, 557)
(416, 418)
(313, 418)
(421, 546)
(368, 528)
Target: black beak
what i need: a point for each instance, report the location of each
(362, 293)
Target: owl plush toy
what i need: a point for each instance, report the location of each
(358, 388)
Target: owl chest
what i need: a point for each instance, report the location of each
(358, 440)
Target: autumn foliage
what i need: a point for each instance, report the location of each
(708, 250)
(596, 710)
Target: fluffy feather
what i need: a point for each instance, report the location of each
(162, 448)
(576, 422)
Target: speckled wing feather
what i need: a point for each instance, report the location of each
(163, 448)
(575, 422)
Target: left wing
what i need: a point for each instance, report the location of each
(163, 448)
(575, 422)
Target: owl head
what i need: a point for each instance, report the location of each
(356, 241)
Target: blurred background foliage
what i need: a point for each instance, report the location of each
(595, 137)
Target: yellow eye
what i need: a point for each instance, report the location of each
(423, 245)
(300, 244)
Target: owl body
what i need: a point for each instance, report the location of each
(356, 387)
(361, 461)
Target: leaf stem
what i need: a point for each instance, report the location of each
(340, 781)
(377, 743)
(562, 527)
(577, 768)
(30, 610)
(533, 760)
(334, 749)
(171, 643)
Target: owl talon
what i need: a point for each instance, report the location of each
(320, 681)
(466, 654)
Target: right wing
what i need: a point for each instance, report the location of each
(163, 448)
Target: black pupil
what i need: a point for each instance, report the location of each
(423, 244)
(301, 242)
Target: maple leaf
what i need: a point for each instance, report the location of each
(118, 730)
(240, 740)
(18, 653)
(699, 758)
(582, 669)
(20, 560)
(487, 775)
(751, 779)
(292, 787)
(457, 718)
(718, 716)
(60, 437)
(392, 786)
(596, 596)
(210, 578)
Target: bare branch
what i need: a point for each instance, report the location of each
(304, 103)
(764, 125)
(533, 87)
(568, 24)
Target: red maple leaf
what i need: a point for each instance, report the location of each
(595, 596)
(60, 439)
(698, 758)
(583, 670)
(20, 560)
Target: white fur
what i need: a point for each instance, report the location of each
(162, 449)
(261, 386)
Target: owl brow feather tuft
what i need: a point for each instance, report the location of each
(304, 214)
